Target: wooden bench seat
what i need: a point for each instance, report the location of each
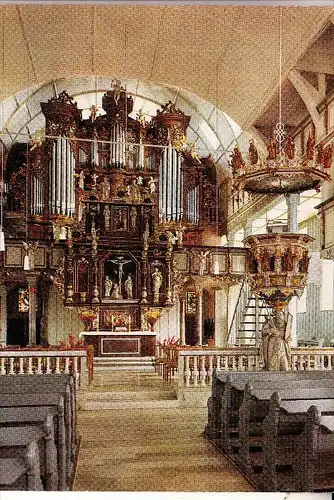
(14, 442)
(213, 427)
(21, 473)
(45, 383)
(20, 416)
(41, 400)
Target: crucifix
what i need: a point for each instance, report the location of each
(120, 262)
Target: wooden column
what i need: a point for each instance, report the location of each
(32, 310)
(199, 317)
(182, 301)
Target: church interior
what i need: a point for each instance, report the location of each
(167, 247)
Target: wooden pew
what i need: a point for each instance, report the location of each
(42, 383)
(19, 416)
(302, 441)
(41, 400)
(14, 442)
(59, 384)
(22, 473)
(255, 407)
(217, 414)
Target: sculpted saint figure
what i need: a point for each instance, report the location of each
(276, 343)
(272, 149)
(129, 287)
(157, 279)
(253, 154)
(289, 147)
(107, 286)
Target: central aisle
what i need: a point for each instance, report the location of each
(159, 449)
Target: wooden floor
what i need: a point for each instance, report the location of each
(150, 450)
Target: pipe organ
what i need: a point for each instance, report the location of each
(116, 195)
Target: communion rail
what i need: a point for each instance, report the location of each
(195, 366)
(78, 362)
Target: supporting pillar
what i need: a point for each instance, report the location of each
(293, 309)
(248, 229)
(292, 201)
(182, 301)
(32, 310)
(199, 317)
(221, 316)
(3, 315)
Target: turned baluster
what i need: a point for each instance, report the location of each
(195, 372)
(187, 371)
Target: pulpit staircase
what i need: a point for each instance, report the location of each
(249, 315)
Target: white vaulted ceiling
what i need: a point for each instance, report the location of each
(227, 55)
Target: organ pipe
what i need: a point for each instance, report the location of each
(61, 178)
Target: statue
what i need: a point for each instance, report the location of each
(81, 180)
(117, 91)
(94, 178)
(105, 189)
(93, 112)
(320, 153)
(107, 286)
(140, 117)
(253, 154)
(157, 279)
(276, 342)
(115, 291)
(289, 148)
(237, 162)
(202, 260)
(272, 149)
(310, 147)
(133, 191)
(328, 154)
(151, 185)
(129, 287)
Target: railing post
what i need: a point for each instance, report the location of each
(83, 371)
(180, 370)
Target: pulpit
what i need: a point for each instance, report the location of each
(121, 343)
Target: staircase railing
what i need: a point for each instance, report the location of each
(238, 314)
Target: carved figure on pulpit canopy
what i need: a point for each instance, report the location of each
(310, 147)
(107, 286)
(237, 162)
(276, 337)
(328, 155)
(272, 148)
(157, 280)
(288, 260)
(253, 154)
(320, 153)
(289, 147)
(105, 189)
(129, 287)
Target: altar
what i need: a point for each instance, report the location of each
(121, 343)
